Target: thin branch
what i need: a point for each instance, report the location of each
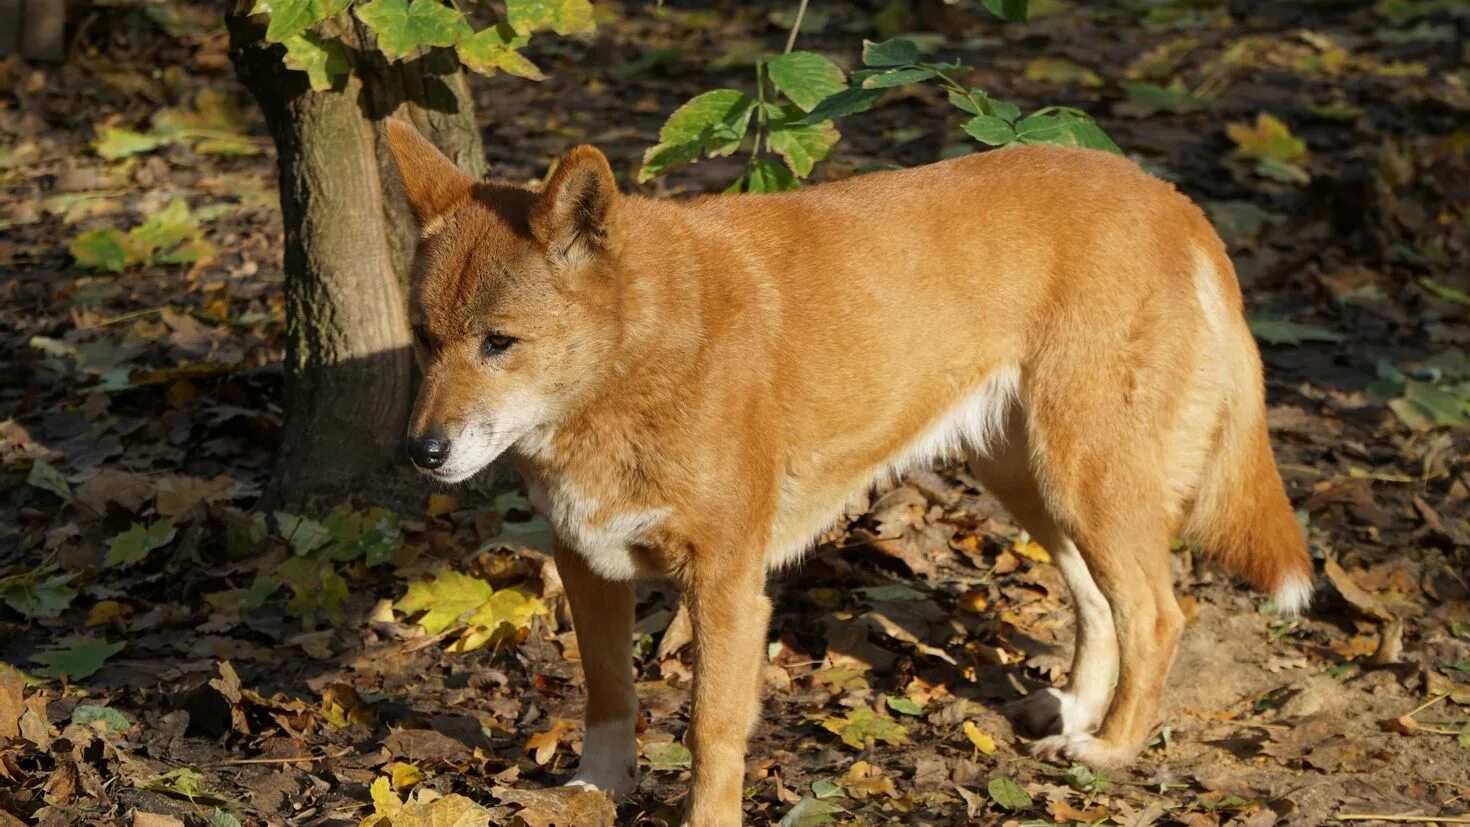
(795, 27)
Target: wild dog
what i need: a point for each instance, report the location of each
(696, 389)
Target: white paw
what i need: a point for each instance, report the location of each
(1083, 749)
(615, 785)
(609, 759)
(1056, 712)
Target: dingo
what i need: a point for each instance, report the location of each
(696, 389)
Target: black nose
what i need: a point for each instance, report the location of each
(428, 451)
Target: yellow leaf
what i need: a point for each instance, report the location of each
(106, 611)
(444, 599)
(385, 802)
(446, 811)
(982, 742)
(441, 504)
(863, 780)
(1031, 550)
(543, 744)
(404, 775)
(503, 616)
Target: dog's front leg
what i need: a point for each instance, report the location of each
(730, 613)
(602, 615)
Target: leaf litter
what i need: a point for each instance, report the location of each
(404, 657)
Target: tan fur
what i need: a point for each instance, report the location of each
(699, 387)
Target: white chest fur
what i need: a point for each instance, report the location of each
(604, 537)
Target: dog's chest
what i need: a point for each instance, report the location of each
(610, 539)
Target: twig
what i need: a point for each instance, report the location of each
(1421, 707)
(795, 27)
(1413, 819)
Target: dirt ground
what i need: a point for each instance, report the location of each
(168, 656)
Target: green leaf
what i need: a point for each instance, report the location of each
(444, 599)
(166, 229)
(323, 61)
(292, 17)
(43, 475)
(895, 52)
(990, 130)
(184, 782)
(806, 78)
(1444, 291)
(844, 103)
(667, 756)
(112, 720)
(802, 146)
(494, 50)
(1284, 332)
(220, 818)
(77, 657)
(809, 812)
(1008, 794)
(534, 533)
(768, 176)
(405, 25)
(105, 248)
(316, 589)
(1424, 407)
(861, 727)
(711, 123)
(35, 597)
(897, 77)
(131, 546)
(561, 16)
(303, 534)
(902, 705)
(1039, 129)
(1145, 99)
(1085, 133)
(120, 143)
(1012, 10)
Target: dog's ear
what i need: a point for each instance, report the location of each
(574, 216)
(433, 184)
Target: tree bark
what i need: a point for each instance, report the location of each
(348, 243)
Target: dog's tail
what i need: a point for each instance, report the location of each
(1241, 515)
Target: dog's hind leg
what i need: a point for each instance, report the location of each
(1078, 708)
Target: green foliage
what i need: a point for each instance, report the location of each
(133, 545)
(78, 656)
(38, 593)
(406, 27)
(799, 130)
(111, 719)
(1008, 795)
(174, 235)
(44, 476)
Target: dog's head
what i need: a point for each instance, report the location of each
(512, 302)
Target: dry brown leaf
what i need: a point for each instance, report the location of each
(1356, 596)
(543, 745)
(560, 806)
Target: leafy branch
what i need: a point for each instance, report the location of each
(799, 96)
(403, 27)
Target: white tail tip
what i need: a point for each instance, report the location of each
(1293, 596)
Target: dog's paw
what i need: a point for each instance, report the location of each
(616, 784)
(1083, 748)
(1054, 712)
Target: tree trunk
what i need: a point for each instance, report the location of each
(348, 243)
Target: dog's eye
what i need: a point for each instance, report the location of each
(421, 336)
(496, 343)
